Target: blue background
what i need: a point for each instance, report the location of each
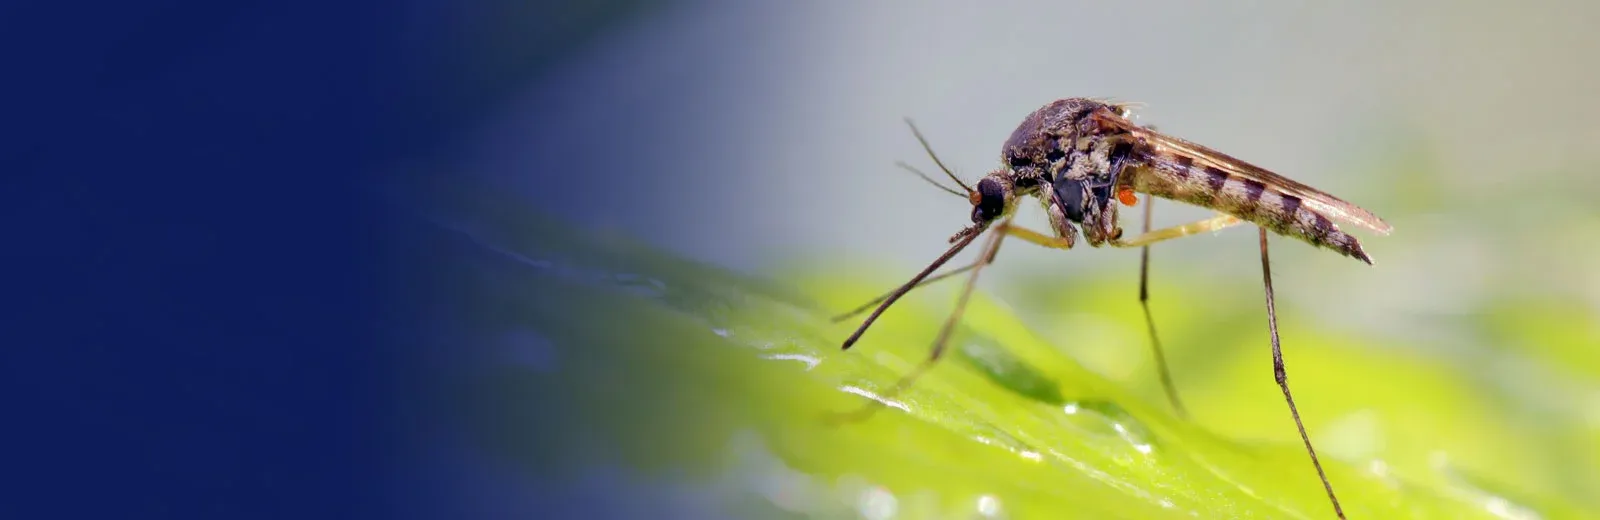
(208, 296)
(190, 266)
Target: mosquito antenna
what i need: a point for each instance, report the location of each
(935, 157)
(971, 233)
(930, 180)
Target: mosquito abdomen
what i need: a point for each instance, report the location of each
(1248, 199)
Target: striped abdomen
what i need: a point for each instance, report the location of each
(1179, 178)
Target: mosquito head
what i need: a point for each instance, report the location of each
(992, 198)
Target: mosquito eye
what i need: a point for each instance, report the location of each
(991, 201)
(1055, 155)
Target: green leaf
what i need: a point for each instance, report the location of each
(608, 353)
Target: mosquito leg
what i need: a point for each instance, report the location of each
(1283, 376)
(1037, 238)
(1202, 226)
(1008, 228)
(939, 343)
(1149, 321)
(941, 276)
(958, 243)
(875, 301)
(1143, 240)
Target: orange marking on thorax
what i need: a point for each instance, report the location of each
(1127, 197)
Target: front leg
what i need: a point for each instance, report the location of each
(1037, 238)
(1112, 157)
(1004, 228)
(1066, 233)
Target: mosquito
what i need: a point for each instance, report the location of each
(1081, 157)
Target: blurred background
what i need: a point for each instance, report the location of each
(758, 139)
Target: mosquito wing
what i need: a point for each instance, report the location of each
(1316, 199)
